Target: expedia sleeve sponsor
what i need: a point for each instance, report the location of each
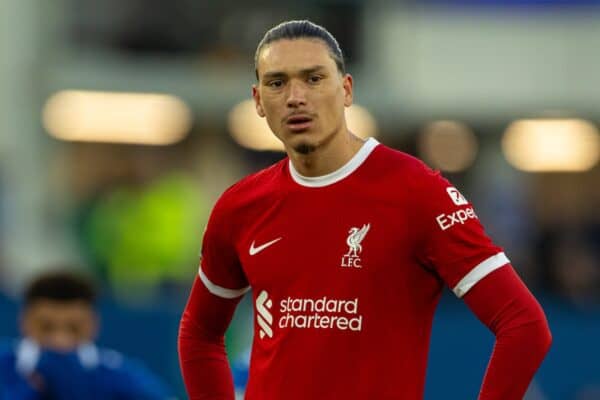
(453, 241)
(447, 221)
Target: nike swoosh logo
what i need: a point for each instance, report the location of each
(255, 250)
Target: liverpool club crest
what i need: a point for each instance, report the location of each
(355, 237)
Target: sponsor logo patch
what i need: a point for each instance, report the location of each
(306, 313)
(447, 221)
(456, 196)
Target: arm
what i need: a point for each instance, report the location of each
(504, 304)
(90, 373)
(33, 373)
(64, 377)
(15, 385)
(18, 390)
(458, 249)
(202, 357)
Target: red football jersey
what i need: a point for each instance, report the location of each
(346, 271)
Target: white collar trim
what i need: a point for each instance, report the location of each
(339, 174)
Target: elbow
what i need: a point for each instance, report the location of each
(540, 332)
(545, 337)
(538, 337)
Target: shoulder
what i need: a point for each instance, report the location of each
(8, 351)
(252, 188)
(8, 362)
(116, 364)
(132, 378)
(116, 361)
(400, 167)
(7, 348)
(110, 359)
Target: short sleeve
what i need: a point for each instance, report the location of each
(220, 269)
(454, 242)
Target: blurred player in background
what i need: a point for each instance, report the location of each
(346, 245)
(57, 359)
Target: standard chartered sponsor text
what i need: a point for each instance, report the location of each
(322, 313)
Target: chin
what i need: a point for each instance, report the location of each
(304, 148)
(302, 143)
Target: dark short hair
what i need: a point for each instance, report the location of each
(63, 286)
(302, 30)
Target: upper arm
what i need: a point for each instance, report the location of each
(220, 269)
(220, 283)
(14, 386)
(454, 242)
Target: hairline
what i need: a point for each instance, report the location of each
(47, 299)
(332, 55)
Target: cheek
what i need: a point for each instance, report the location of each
(36, 332)
(90, 330)
(273, 112)
(269, 106)
(335, 106)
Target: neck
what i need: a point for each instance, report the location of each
(327, 156)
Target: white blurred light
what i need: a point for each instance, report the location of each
(140, 118)
(251, 131)
(361, 122)
(537, 145)
(448, 145)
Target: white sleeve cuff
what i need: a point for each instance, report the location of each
(219, 290)
(479, 272)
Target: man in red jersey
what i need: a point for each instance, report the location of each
(346, 245)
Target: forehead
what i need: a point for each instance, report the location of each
(289, 55)
(50, 309)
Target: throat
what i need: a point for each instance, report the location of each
(312, 161)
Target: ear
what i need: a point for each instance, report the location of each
(347, 85)
(256, 96)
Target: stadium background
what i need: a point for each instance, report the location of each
(503, 96)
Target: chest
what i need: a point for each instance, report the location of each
(346, 241)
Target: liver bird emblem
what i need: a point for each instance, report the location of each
(354, 238)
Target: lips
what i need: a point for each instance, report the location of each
(298, 123)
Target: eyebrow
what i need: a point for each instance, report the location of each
(304, 71)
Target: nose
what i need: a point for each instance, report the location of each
(296, 94)
(62, 341)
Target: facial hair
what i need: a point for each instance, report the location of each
(305, 148)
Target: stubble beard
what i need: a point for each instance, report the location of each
(305, 148)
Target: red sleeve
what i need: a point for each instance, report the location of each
(454, 243)
(201, 346)
(504, 304)
(221, 268)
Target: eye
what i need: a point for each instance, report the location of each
(46, 327)
(315, 78)
(275, 84)
(74, 328)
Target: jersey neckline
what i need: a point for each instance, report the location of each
(339, 174)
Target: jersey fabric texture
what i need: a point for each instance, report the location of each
(346, 271)
(89, 373)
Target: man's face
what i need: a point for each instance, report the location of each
(59, 325)
(301, 92)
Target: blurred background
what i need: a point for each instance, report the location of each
(121, 122)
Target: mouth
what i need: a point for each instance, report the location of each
(298, 123)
